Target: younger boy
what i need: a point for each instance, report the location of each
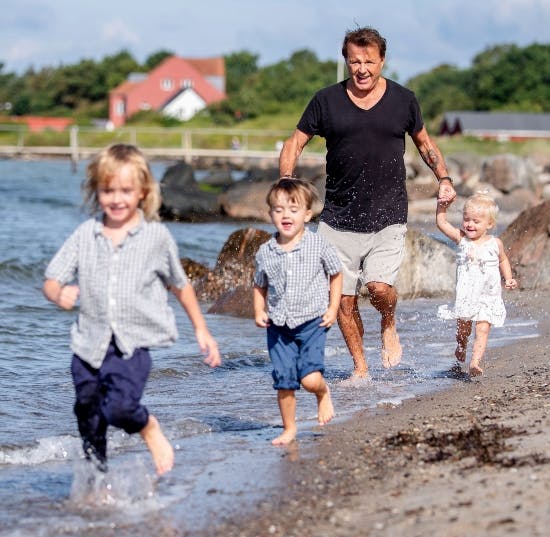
(297, 288)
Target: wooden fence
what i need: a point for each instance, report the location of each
(79, 143)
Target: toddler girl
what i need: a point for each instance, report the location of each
(481, 261)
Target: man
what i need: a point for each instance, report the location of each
(364, 120)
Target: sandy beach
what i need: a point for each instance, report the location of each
(473, 460)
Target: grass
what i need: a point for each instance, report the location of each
(262, 133)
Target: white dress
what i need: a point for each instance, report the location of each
(478, 284)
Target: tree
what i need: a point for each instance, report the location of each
(118, 67)
(239, 66)
(155, 59)
(441, 89)
(508, 77)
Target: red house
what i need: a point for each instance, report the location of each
(178, 87)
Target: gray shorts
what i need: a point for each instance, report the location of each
(367, 257)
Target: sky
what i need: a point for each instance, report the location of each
(420, 34)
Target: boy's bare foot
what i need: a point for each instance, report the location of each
(475, 370)
(160, 448)
(460, 353)
(325, 410)
(288, 436)
(391, 348)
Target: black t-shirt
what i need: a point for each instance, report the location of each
(365, 189)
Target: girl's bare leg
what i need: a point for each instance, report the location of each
(480, 344)
(287, 406)
(463, 331)
(160, 448)
(315, 383)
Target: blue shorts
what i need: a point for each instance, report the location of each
(107, 396)
(296, 352)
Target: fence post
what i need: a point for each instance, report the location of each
(186, 140)
(20, 138)
(74, 144)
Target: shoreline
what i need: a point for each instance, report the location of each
(473, 459)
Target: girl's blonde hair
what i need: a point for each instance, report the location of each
(481, 201)
(106, 164)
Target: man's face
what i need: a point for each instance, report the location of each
(365, 66)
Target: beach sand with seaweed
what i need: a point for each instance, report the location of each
(472, 460)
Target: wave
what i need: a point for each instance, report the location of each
(55, 203)
(15, 270)
(52, 448)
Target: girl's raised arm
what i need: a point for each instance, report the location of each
(442, 223)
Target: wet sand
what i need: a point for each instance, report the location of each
(473, 460)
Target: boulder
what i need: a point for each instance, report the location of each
(428, 268)
(234, 267)
(246, 199)
(218, 178)
(527, 243)
(421, 188)
(507, 172)
(238, 302)
(182, 197)
(194, 270)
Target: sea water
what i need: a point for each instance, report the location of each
(220, 421)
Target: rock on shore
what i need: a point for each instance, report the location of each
(516, 182)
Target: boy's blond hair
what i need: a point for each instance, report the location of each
(297, 190)
(481, 201)
(105, 165)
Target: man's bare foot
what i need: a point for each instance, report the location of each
(286, 438)
(475, 369)
(460, 353)
(160, 448)
(391, 348)
(325, 410)
(361, 373)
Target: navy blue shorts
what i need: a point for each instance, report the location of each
(296, 352)
(110, 395)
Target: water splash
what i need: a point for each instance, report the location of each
(126, 485)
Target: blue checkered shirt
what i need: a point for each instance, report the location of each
(123, 289)
(297, 281)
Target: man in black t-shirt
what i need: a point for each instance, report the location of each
(364, 120)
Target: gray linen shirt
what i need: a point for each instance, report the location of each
(123, 289)
(297, 281)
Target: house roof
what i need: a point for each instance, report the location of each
(196, 69)
(208, 66)
(201, 86)
(496, 124)
(125, 87)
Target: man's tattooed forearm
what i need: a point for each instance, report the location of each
(431, 158)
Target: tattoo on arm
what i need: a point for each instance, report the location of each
(431, 158)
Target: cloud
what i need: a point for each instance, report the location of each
(421, 34)
(117, 32)
(22, 51)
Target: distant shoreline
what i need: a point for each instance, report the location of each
(239, 158)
